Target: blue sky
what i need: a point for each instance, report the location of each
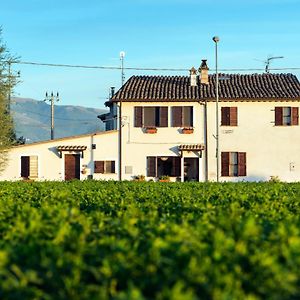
(153, 33)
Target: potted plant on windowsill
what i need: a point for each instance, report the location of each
(187, 130)
(150, 129)
(164, 178)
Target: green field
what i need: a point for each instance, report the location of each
(135, 240)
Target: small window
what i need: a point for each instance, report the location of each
(150, 116)
(286, 116)
(229, 116)
(233, 164)
(182, 116)
(104, 166)
(29, 166)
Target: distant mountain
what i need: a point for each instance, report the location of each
(32, 119)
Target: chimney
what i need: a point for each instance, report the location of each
(193, 75)
(112, 91)
(203, 70)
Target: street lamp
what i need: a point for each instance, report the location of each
(216, 39)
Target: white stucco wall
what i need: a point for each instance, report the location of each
(51, 166)
(137, 145)
(270, 150)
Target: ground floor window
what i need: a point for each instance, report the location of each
(233, 164)
(104, 166)
(29, 166)
(163, 166)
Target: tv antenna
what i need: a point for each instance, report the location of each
(268, 61)
(122, 56)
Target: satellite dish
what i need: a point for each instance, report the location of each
(122, 54)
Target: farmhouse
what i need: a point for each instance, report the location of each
(168, 128)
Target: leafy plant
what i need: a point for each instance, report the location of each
(128, 240)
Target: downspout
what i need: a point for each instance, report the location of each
(120, 140)
(205, 141)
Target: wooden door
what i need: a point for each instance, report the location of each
(25, 166)
(191, 169)
(72, 166)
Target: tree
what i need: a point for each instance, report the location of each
(7, 82)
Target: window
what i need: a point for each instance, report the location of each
(150, 116)
(182, 116)
(229, 116)
(163, 165)
(233, 164)
(286, 116)
(29, 166)
(104, 166)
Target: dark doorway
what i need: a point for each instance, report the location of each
(191, 169)
(72, 166)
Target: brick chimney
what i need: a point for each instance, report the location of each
(203, 70)
(193, 76)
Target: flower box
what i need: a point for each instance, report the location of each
(150, 130)
(187, 130)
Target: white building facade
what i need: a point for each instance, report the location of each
(168, 128)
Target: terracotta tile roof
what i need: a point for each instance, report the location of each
(231, 87)
(191, 147)
(71, 148)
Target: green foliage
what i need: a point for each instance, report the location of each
(109, 240)
(7, 82)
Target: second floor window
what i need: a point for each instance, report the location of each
(285, 115)
(150, 116)
(229, 116)
(182, 116)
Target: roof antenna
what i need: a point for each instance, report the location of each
(269, 59)
(122, 56)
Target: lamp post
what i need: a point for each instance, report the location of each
(216, 39)
(122, 55)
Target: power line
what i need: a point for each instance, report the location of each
(58, 118)
(148, 69)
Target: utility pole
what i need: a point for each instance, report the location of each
(122, 55)
(216, 39)
(11, 80)
(51, 99)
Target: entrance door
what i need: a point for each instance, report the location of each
(191, 169)
(72, 166)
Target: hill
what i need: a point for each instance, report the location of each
(32, 119)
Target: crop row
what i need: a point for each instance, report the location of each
(136, 240)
